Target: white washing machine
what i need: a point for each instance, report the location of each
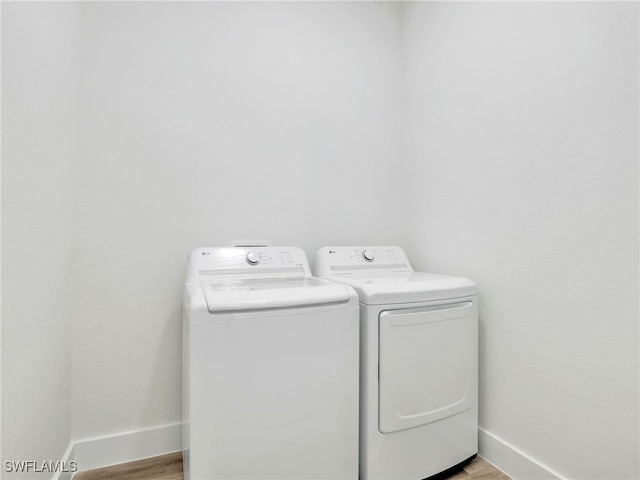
(270, 368)
(419, 382)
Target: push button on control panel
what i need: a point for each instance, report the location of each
(253, 258)
(367, 255)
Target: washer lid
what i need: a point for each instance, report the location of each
(404, 287)
(245, 293)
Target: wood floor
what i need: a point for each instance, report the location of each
(169, 467)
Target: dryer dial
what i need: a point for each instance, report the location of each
(253, 258)
(368, 256)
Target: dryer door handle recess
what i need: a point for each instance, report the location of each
(438, 313)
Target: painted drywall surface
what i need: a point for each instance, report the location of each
(206, 123)
(39, 146)
(523, 122)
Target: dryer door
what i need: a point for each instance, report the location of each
(427, 364)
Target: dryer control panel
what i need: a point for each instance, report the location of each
(267, 261)
(338, 260)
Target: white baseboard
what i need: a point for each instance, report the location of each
(512, 461)
(135, 445)
(68, 457)
(123, 447)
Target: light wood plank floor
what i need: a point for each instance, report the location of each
(169, 467)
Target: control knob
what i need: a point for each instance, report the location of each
(253, 258)
(368, 256)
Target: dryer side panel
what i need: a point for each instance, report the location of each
(427, 364)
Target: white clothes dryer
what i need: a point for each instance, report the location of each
(270, 368)
(418, 364)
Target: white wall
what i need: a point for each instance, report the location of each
(39, 147)
(523, 129)
(205, 123)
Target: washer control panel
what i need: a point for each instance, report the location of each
(271, 261)
(334, 260)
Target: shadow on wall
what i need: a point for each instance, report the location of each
(166, 372)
